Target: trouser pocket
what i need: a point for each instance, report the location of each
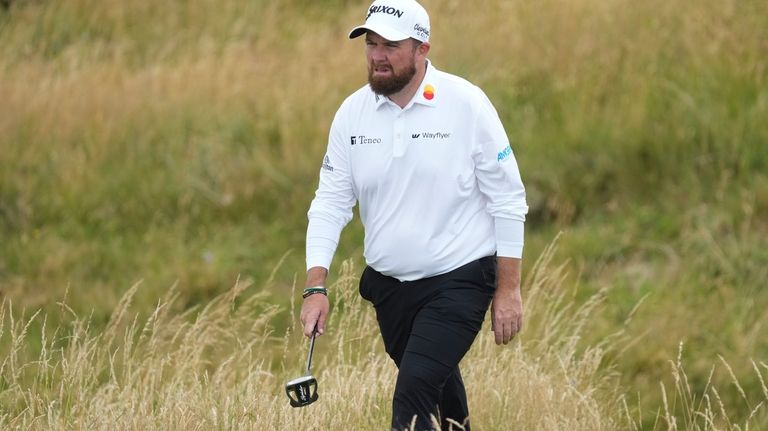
(364, 287)
(488, 270)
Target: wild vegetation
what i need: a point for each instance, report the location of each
(164, 152)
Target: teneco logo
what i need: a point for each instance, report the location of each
(384, 9)
(504, 154)
(364, 140)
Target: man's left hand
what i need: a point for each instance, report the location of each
(507, 306)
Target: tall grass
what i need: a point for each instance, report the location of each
(180, 146)
(222, 366)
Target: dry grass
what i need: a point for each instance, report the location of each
(688, 409)
(220, 367)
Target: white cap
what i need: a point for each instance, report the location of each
(395, 20)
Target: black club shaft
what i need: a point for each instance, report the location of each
(311, 349)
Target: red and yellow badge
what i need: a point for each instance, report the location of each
(429, 92)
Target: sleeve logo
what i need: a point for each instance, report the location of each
(327, 164)
(504, 154)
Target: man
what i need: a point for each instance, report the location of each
(425, 156)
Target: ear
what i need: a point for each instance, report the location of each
(423, 49)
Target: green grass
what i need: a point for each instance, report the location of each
(177, 145)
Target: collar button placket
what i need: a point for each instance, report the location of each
(398, 147)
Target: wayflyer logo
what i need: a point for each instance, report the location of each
(431, 135)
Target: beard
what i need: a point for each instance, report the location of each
(385, 86)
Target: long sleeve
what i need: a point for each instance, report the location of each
(331, 209)
(499, 180)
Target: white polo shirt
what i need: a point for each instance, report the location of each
(437, 182)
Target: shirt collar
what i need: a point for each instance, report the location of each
(427, 92)
(425, 95)
(380, 100)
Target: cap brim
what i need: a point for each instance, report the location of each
(385, 32)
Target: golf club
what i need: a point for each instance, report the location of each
(302, 391)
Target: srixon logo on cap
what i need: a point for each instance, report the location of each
(384, 9)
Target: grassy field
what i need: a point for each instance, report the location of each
(167, 151)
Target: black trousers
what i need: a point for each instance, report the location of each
(427, 326)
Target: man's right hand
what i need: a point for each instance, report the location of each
(314, 312)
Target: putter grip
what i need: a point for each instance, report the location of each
(309, 355)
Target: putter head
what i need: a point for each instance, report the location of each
(302, 391)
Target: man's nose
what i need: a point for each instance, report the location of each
(378, 54)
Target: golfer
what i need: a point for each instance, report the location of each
(424, 155)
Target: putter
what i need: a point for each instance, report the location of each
(302, 391)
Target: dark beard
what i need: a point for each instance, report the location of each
(393, 84)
